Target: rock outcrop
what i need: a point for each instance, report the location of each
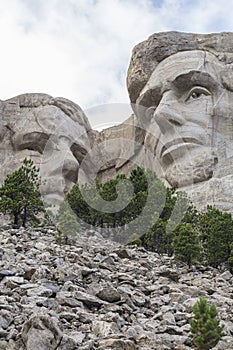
(180, 86)
(181, 90)
(54, 132)
(148, 54)
(182, 82)
(100, 295)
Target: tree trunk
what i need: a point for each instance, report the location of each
(24, 216)
(16, 219)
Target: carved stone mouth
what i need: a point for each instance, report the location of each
(180, 142)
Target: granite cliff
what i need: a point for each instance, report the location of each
(180, 86)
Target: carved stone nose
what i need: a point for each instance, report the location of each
(70, 168)
(167, 117)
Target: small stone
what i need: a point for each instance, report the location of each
(71, 341)
(39, 291)
(29, 273)
(171, 274)
(3, 333)
(124, 253)
(4, 273)
(41, 332)
(119, 344)
(109, 294)
(6, 318)
(104, 329)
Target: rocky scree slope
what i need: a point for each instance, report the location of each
(100, 295)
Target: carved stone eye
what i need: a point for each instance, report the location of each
(195, 95)
(197, 92)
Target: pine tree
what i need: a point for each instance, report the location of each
(20, 195)
(217, 236)
(186, 244)
(67, 224)
(205, 326)
(230, 260)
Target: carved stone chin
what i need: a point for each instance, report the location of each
(199, 168)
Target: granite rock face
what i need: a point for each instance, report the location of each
(148, 54)
(180, 86)
(181, 90)
(97, 294)
(54, 132)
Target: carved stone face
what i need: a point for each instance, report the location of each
(56, 143)
(186, 98)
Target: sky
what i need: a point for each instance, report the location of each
(80, 49)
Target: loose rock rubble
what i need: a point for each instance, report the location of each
(100, 295)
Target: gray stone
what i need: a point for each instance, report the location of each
(4, 273)
(3, 333)
(71, 341)
(6, 318)
(67, 299)
(116, 344)
(52, 314)
(41, 332)
(89, 300)
(103, 329)
(39, 292)
(109, 294)
(3, 345)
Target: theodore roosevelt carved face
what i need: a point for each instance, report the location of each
(186, 97)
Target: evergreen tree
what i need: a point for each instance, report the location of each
(157, 238)
(20, 196)
(205, 326)
(147, 209)
(186, 244)
(67, 225)
(217, 236)
(138, 177)
(230, 259)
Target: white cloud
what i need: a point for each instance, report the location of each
(80, 49)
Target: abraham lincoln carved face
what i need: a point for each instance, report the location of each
(187, 98)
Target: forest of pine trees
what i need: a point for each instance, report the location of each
(196, 238)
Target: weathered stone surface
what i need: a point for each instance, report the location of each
(6, 319)
(109, 294)
(148, 54)
(54, 132)
(153, 310)
(41, 332)
(97, 294)
(180, 85)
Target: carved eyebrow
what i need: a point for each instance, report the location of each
(151, 97)
(192, 78)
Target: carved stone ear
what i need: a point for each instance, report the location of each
(227, 78)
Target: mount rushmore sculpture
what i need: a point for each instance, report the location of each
(181, 91)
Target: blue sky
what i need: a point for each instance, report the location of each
(80, 49)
